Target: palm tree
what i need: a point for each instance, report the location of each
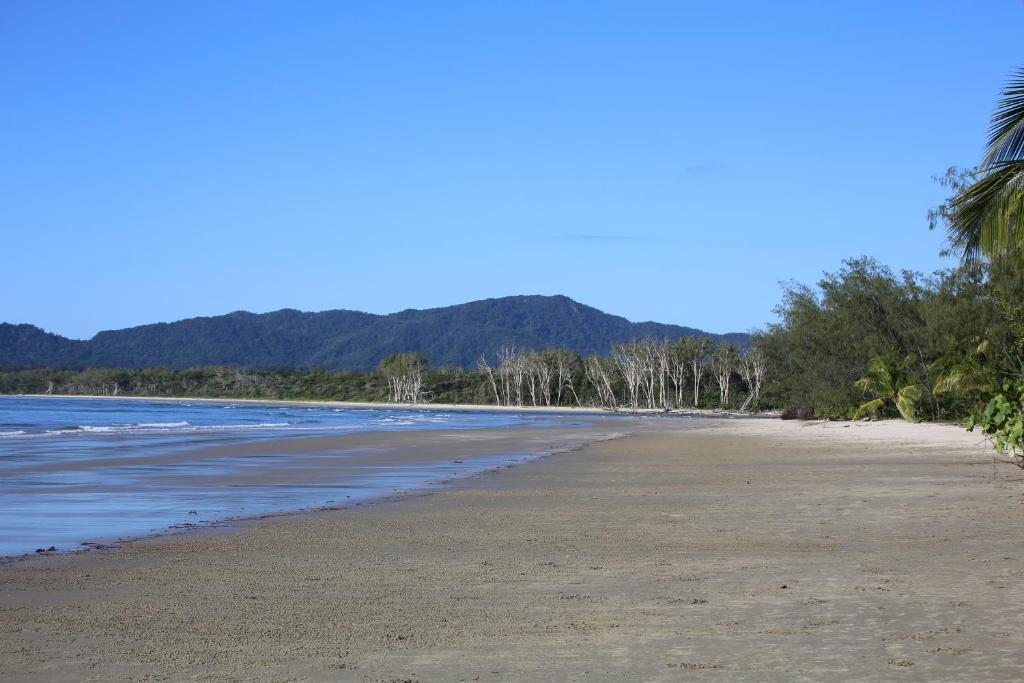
(884, 382)
(959, 375)
(983, 215)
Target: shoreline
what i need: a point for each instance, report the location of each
(467, 407)
(751, 549)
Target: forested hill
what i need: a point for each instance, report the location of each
(454, 335)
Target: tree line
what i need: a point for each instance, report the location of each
(867, 341)
(641, 374)
(648, 374)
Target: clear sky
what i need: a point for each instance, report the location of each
(668, 161)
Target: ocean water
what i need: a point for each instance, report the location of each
(77, 472)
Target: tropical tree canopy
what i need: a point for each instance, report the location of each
(983, 215)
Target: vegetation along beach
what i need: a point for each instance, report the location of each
(534, 342)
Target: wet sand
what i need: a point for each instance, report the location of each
(751, 549)
(130, 489)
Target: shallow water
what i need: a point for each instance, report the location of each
(80, 471)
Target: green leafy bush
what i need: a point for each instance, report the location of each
(1003, 421)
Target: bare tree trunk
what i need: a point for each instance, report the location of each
(628, 364)
(485, 367)
(752, 367)
(598, 377)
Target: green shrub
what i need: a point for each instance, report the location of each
(1002, 421)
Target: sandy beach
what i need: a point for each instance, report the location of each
(740, 549)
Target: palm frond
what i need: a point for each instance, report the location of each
(959, 379)
(1006, 131)
(951, 381)
(905, 400)
(965, 377)
(869, 408)
(983, 216)
(878, 379)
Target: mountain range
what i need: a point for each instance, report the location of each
(453, 335)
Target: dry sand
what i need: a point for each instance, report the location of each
(751, 549)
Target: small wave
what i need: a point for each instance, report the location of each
(140, 427)
(260, 425)
(185, 427)
(67, 429)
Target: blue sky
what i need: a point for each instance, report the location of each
(663, 161)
